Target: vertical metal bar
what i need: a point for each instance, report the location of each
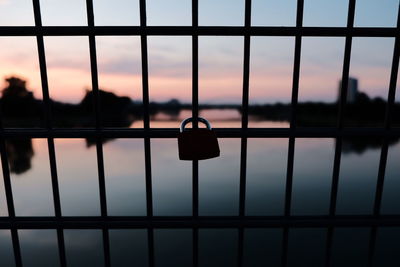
(296, 66)
(50, 140)
(61, 247)
(102, 183)
(346, 64)
(381, 178)
(295, 93)
(146, 123)
(240, 246)
(16, 247)
(195, 188)
(195, 247)
(98, 124)
(9, 196)
(10, 201)
(285, 244)
(246, 65)
(335, 176)
(195, 62)
(47, 109)
(6, 177)
(289, 177)
(195, 104)
(106, 247)
(243, 170)
(146, 119)
(150, 242)
(245, 121)
(328, 250)
(149, 190)
(393, 77)
(342, 104)
(388, 120)
(341, 112)
(42, 65)
(294, 100)
(372, 245)
(195, 115)
(145, 73)
(96, 100)
(245, 105)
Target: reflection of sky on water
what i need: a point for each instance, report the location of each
(217, 247)
(218, 195)
(38, 247)
(266, 176)
(77, 177)
(172, 182)
(312, 176)
(84, 247)
(128, 246)
(306, 247)
(32, 190)
(125, 181)
(218, 179)
(357, 182)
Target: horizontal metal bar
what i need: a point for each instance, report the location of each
(316, 132)
(199, 30)
(99, 222)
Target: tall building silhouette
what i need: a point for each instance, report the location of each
(352, 90)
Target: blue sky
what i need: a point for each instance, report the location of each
(211, 12)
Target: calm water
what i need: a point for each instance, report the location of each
(218, 195)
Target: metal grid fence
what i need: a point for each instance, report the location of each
(105, 222)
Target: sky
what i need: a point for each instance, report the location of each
(220, 58)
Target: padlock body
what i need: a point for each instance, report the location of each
(198, 144)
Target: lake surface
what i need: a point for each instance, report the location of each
(218, 195)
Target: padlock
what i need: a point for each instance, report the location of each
(197, 144)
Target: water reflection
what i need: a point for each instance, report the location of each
(171, 179)
(173, 247)
(128, 247)
(311, 186)
(350, 247)
(38, 248)
(219, 181)
(266, 176)
(84, 248)
(357, 182)
(307, 247)
(77, 177)
(32, 191)
(218, 247)
(125, 181)
(6, 250)
(20, 153)
(218, 178)
(262, 247)
(215, 247)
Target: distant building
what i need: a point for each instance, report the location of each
(352, 90)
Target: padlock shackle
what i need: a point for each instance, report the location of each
(200, 119)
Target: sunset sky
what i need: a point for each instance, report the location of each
(220, 58)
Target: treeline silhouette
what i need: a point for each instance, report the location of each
(19, 108)
(364, 111)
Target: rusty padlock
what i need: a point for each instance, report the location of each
(197, 144)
